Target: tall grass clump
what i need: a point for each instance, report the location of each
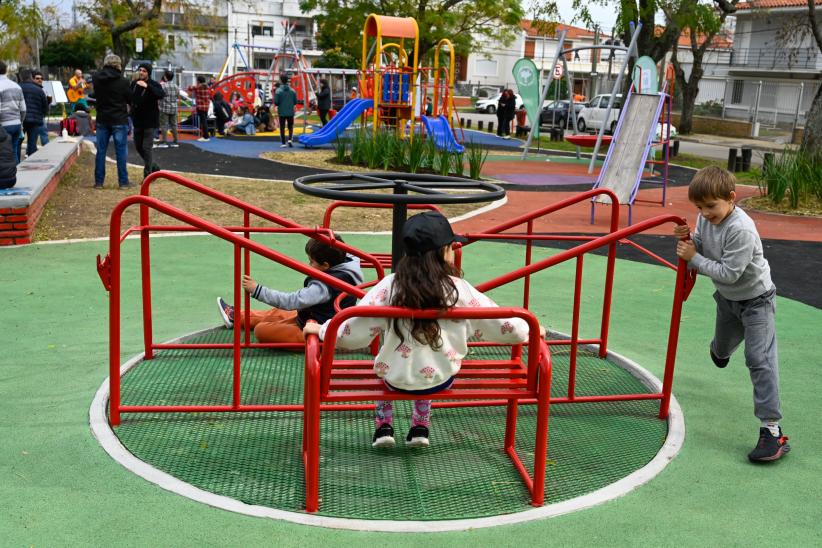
(385, 147)
(415, 155)
(340, 149)
(459, 164)
(794, 175)
(477, 154)
(358, 145)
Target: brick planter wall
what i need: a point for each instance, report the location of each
(17, 224)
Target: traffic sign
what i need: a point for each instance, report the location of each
(558, 71)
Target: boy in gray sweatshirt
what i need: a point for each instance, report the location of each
(315, 301)
(725, 246)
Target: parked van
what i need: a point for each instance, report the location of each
(592, 117)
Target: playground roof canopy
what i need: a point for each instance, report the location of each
(391, 27)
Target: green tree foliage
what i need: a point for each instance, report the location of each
(336, 58)
(123, 21)
(812, 139)
(341, 21)
(702, 22)
(81, 48)
(17, 21)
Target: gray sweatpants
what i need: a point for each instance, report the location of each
(753, 322)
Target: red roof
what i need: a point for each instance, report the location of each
(774, 4)
(571, 33)
(721, 40)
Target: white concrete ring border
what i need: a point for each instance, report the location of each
(673, 443)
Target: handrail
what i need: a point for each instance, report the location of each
(110, 271)
(579, 250)
(252, 209)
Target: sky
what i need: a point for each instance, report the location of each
(605, 16)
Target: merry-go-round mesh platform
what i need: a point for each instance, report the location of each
(255, 457)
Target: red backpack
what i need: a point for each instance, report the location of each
(70, 125)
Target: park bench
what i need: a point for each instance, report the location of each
(480, 382)
(37, 176)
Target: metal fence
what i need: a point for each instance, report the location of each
(768, 104)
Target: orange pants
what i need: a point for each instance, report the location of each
(275, 325)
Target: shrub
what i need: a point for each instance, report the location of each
(795, 175)
(415, 154)
(340, 149)
(477, 154)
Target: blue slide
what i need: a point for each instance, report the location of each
(337, 125)
(440, 130)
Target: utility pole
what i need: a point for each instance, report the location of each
(594, 57)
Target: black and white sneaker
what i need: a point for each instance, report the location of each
(384, 436)
(226, 312)
(417, 437)
(769, 447)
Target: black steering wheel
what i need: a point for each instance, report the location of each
(407, 188)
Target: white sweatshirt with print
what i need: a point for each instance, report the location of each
(411, 365)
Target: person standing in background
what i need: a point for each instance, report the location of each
(77, 91)
(324, 101)
(12, 110)
(112, 93)
(37, 108)
(145, 114)
(168, 110)
(285, 99)
(202, 100)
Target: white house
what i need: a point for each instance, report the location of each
(774, 71)
(591, 71)
(256, 27)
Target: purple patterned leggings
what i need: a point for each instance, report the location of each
(421, 415)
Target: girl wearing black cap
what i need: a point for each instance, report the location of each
(421, 356)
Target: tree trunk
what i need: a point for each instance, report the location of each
(812, 140)
(689, 92)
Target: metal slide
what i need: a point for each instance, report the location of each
(338, 124)
(440, 131)
(625, 162)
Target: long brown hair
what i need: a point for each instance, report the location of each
(424, 281)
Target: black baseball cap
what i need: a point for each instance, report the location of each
(428, 231)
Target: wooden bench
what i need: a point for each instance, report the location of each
(330, 380)
(37, 176)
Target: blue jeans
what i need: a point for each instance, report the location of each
(15, 134)
(120, 134)
(32, 134)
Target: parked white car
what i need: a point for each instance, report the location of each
(593, 115)
(489, 105)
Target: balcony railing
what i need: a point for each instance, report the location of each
(777, 58)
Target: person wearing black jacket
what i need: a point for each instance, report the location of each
(222, 112)
(8, 164)
(112, 94)
(145, 114)
(506, 106)
(323, 101)
(37, 107)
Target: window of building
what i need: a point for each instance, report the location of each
(299, 29)
(736, 92)
(171, 39)
(262, 63)
(262, 30)
(485, 67)
(202, 44)
(530, 46)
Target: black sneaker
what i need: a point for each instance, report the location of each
(226, 312)
(417, 437)
(769, 447)
(384, 436)
(719, 362)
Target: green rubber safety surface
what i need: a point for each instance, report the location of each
(255, 457)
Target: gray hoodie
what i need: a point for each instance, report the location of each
(315, 292)
(730, 253)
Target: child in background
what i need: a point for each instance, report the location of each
(726, 248)
(315, 301)
(245, 124)
(421, 356)
(83, 121)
